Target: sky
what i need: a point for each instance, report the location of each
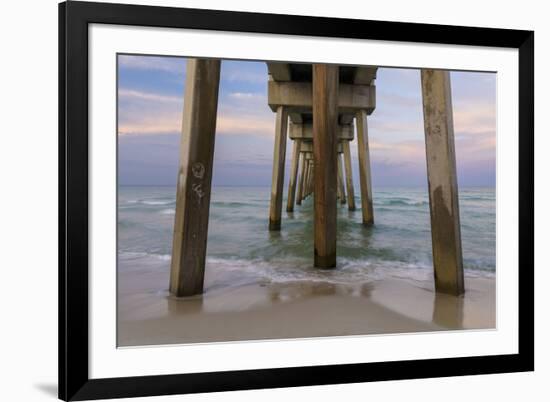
(150, 105)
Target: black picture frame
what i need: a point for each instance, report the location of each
(74, 381)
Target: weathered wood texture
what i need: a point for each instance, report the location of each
(194, 177)
(341, 187)
(325, 115)
(364, 168)
(349, 175)
(293, 175)
(300, 194)
(442, 182)
(277, 178)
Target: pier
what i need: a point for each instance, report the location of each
(321, 109)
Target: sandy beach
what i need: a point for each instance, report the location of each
(295, 309)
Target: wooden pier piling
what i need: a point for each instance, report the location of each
(293, 175)
(300, 195)
(349, 175)
(442, 182)
(306, 184)
(194, 177)
(310, 178)
(341, 187)
(277, 179)
(364, 168)
(325, 115)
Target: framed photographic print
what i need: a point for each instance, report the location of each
(258, 200)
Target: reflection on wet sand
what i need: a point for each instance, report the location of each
(294, 309)
(182, 306)
(296, 290)
(448, 310)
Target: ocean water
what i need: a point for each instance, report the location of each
(241, 249)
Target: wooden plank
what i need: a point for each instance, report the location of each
(349, 175)
(364, 168)
(277, 178)
(325, 120)
(194, 177)
(442, 182)
(293, 175)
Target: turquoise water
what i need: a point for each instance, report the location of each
(399, 244)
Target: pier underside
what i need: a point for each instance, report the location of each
(321, 109)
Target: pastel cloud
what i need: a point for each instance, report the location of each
(248, 125)
(396, 126)
(134, 95)
(148, 113)
(475, 117)
(172, 65)
(151, 104)
(145, 113)
(167, 123)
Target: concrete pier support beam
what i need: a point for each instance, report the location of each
(306, 176)
(349, 175)
(442, 182)
(300, 195)
(277, 178)
(325, 142)
(341, 187)
(309, 173)
(293, 175)
(310, 178)
(338, 190)
(194, 177)
(364, 167)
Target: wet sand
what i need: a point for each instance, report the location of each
(294, 309)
